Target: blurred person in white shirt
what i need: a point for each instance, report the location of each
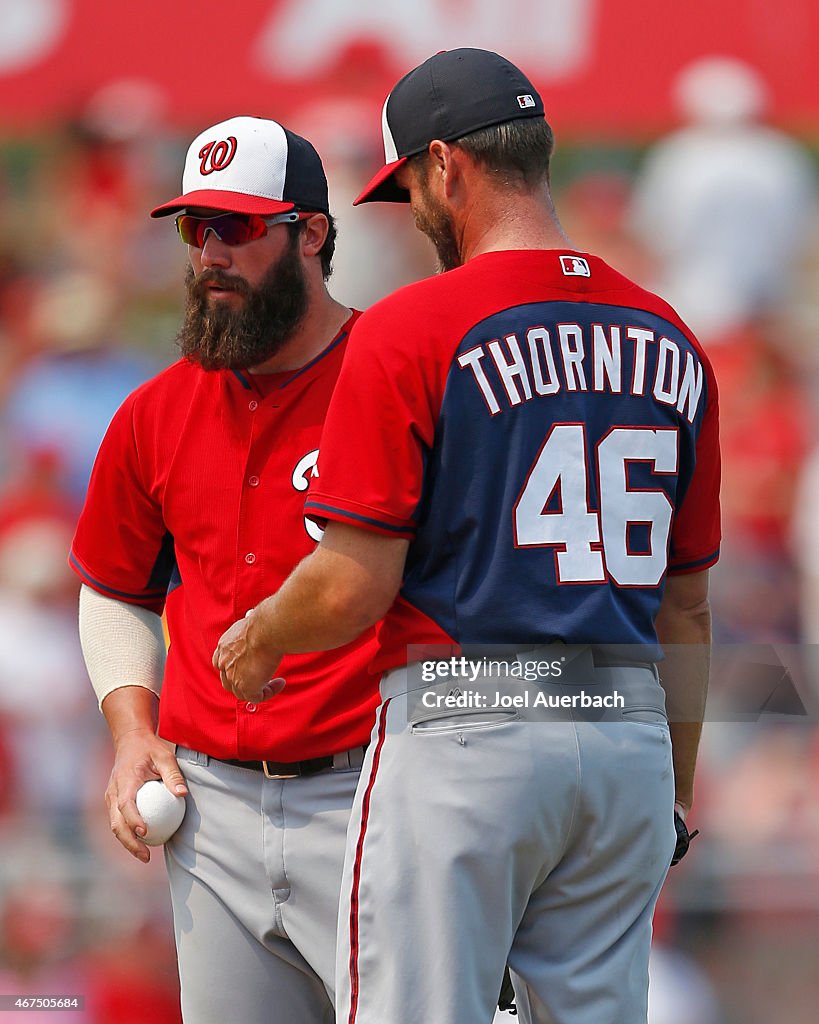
(726, 203)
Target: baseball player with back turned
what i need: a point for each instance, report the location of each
(522, 452)
(196, 507)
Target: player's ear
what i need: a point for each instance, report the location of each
(314, 234)
(443, 167)
(438, 157)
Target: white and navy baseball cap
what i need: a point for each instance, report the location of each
(448, 96)
(250, 165)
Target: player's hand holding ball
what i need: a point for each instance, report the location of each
(161, 811)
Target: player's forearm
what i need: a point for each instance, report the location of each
(314, 610)
(684, 630)
(685, 726)
(345, 586)
(322, 605)
(130, 709)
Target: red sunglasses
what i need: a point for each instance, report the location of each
(230, 228)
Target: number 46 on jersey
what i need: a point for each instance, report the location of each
(593, 546)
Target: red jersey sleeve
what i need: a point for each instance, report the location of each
(696, 534)
(380, 424)
(121, 547)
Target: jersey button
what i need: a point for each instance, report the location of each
(253, 481)
(250, 558)
(253, 406)
(250, 708)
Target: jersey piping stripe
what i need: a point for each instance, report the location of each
(308, 366)
(246, 384)
(359, 850)
(315, 505)
(700, 563)
(146, 595)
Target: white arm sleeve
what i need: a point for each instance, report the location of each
(123, 644)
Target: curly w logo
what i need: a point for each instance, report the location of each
(215, 156)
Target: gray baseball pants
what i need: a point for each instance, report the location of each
(254, 871)
(481, 838)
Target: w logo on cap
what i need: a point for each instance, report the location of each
(215, 156)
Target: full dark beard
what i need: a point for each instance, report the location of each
(219, 337)
(436, 224)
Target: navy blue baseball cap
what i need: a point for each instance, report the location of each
(448, 96)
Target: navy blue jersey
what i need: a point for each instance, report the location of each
(545, 432)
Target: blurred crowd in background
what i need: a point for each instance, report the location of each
(720, 217)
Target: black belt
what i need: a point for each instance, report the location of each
(294, 769)
(281, 769)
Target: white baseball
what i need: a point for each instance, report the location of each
(161, 811)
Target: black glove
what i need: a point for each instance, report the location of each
(506, 999)
(684, 838)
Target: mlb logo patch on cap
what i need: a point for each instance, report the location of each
(526, 101)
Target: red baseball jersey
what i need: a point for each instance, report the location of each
(196, 506)
(545, 432)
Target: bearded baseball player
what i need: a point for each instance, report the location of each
(521, 452)
(195, 507)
